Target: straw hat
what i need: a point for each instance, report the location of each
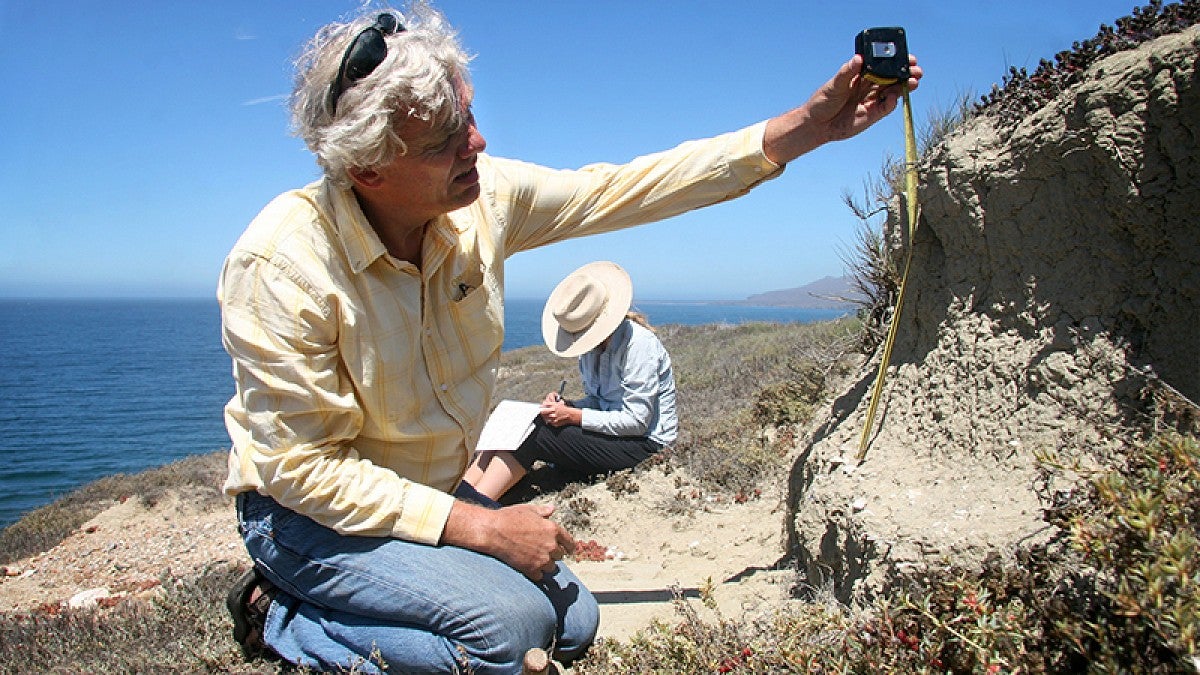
(586, 307)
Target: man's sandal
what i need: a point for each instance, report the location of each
(249, 612)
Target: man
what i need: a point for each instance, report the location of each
(364, 317)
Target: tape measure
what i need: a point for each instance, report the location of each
(884, 50)
(885, 54)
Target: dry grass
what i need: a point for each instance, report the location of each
(43, 528)
(184, 631)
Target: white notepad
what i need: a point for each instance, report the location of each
(508, 426)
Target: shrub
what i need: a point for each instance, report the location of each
(733, 382)
(791, 401)
(737, 382)
(1137, 530)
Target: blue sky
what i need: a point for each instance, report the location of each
(138, 139)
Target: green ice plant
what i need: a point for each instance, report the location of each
(1142, 539)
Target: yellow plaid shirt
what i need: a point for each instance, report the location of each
(363, 381)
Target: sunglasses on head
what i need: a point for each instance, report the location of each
(363, 56)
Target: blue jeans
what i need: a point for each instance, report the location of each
(346, 600)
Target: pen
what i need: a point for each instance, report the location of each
(561, 388)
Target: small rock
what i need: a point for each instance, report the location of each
(150, 594)
(858, 504)
(88, 598)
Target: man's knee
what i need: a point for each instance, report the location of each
(579, 631)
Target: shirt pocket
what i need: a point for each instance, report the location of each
(478, 317)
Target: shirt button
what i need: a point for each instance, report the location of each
(445, 387)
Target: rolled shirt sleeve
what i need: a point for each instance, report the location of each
(544, 205)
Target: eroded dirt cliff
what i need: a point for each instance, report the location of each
(1054, 279)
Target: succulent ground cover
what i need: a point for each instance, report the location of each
(1023, 92)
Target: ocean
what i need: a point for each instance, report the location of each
(97, 387)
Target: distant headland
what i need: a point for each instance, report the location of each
(824, 293)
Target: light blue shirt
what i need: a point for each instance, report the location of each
(629, 387)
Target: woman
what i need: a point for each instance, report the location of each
(628, 411)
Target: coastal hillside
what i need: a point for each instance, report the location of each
(131, 571)
(1052, 308)
(824, 293)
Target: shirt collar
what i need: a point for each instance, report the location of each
(360, 243)
(619, 337)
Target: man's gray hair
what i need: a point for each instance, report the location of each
(415, 80)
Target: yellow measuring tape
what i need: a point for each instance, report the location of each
(910, 196)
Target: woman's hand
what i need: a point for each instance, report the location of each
(557, 413)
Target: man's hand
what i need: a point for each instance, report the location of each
(522, 536)
(843, 107)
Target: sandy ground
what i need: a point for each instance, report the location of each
(721, 548)
(654, 546)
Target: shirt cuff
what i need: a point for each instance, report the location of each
(424, 515)
(585, 421)
(748, 161)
